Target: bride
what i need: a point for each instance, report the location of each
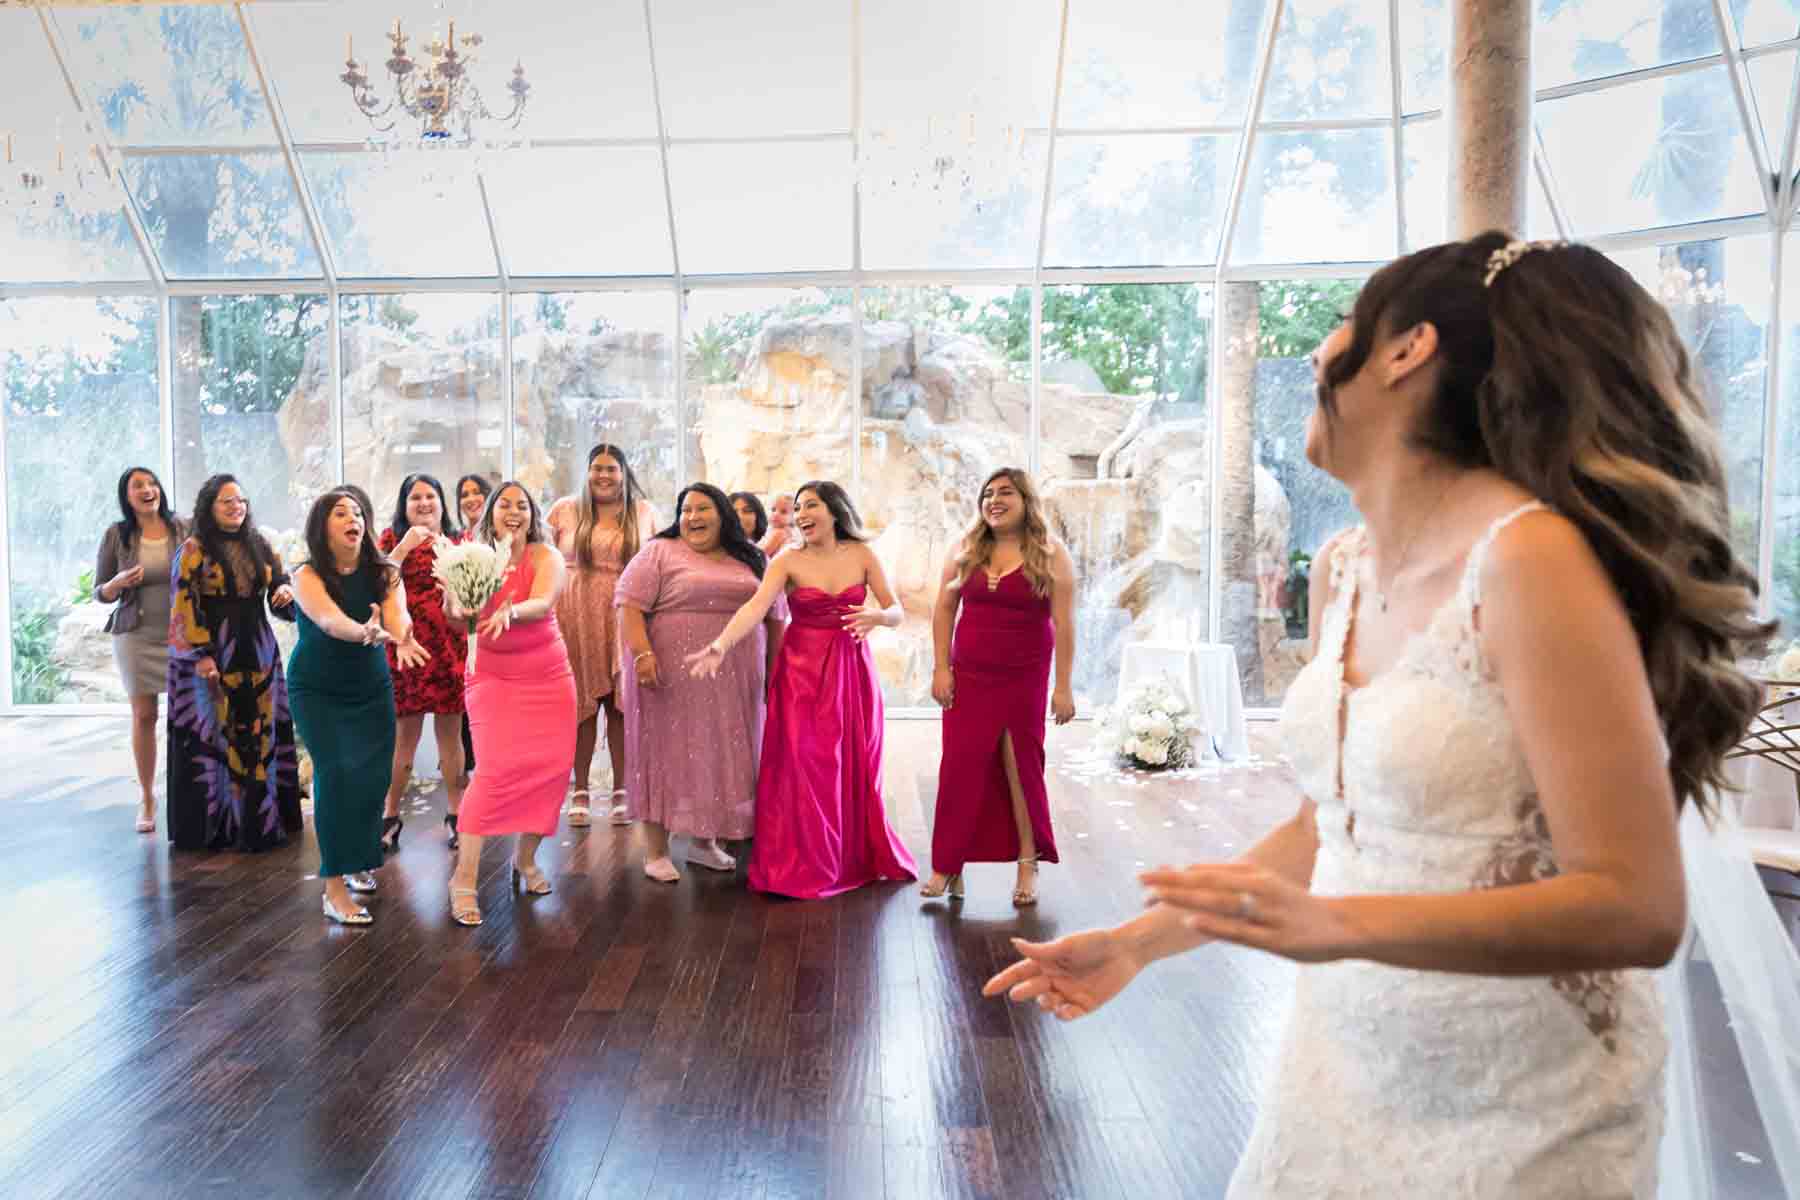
(1524, 674)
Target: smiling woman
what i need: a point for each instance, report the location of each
(691, 747)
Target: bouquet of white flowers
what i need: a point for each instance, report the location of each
(471, 573)
(1152, 729)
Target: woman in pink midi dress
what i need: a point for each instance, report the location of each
(520, 695)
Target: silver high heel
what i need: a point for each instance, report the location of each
(468, 913)
(356, 916)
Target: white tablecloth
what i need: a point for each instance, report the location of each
(1208, 678)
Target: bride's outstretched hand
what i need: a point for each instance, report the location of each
(1253, 906)
(1071, 976)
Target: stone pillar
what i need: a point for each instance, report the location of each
(1490, 115)
(1240, 314)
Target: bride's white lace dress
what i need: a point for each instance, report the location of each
(1400, 1083)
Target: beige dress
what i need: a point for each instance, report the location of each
(142, 655)
(585, 609)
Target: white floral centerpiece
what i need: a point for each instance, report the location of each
(1153, 729)
(471, 573)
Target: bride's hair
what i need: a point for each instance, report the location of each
(1564, 375)
(1034, 539)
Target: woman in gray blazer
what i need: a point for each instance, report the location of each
(133, 571)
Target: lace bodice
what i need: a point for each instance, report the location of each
(1417, 772)
(1395, 1082)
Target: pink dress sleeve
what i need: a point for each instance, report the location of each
(641, 581)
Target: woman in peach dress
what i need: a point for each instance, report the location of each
(597, 532)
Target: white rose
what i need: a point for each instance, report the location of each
(1161, 728)
(1155, 753)
(1140, 723)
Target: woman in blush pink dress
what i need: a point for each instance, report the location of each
(597, 531)
(1015, 588)
(520, 695)
(821, 827)
(692, 746)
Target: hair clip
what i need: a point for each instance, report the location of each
(1511, 253)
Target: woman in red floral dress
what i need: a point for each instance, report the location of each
(436, 687)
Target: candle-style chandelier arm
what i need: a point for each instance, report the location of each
(435, 90)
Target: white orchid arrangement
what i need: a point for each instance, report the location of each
(1153, 729)
(471, 572)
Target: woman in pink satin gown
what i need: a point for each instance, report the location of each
(520, 694)
(821, 826)
(1015, 588)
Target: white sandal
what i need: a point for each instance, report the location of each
(621, 811)
(579, 817)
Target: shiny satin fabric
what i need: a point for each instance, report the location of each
(1001, 659)
(821, 827)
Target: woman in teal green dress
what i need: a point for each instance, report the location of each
(351, 606)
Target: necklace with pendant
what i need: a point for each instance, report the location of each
(1381, 589)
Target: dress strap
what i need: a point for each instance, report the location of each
(1477, 560)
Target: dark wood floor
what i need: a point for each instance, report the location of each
(188, 1025)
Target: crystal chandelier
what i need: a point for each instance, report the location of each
(59, 180)
(438, 92)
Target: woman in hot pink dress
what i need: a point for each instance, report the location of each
(1015, 586)
(692, 746)
(821, 827)
(520, 695)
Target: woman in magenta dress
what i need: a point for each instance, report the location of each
(520, 695)
(1015, 587)
(821, 827)
(691, 765)
(435, 687)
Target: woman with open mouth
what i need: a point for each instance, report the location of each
(691, 745)
(821, 826)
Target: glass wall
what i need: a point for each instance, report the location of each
(768, 375)
(421, 389)
(591, 367)
(894, 285)
(1123, 434)
(946, 398)
(78, 379)
(252, 397)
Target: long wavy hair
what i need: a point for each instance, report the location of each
(128, 522)
(399, 524)
(1034, 537)
(371, 567)
(756, 508)
(258, 555)
(1569, 379)
(632, 496)
(732, 538)
(534, 532)
(844, 519)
